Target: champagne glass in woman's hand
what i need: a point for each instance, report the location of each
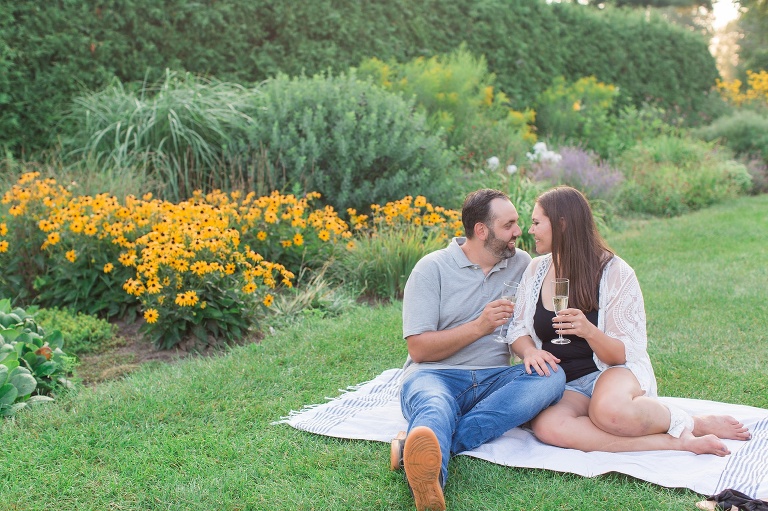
(560, 299)
(510, 292)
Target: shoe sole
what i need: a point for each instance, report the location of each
(422, 462)
(396, 451)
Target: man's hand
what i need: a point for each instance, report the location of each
(495, 314)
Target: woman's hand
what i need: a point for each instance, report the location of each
(573, 322)
(608, 349)
(540, 361)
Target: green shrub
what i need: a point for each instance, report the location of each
(745, 132)
(349, 140)
(459, 96)
(576, 113)
(30, 361)
(657, 191)
(595, 116)
(456, 91)
(631, 125)
(758, 169)
(669, 176)
(499, 138)
(82, 333)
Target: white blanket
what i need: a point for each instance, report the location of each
(371, 411)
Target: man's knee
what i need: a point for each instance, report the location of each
(552, 386)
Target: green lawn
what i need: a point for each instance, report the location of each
(197, 435)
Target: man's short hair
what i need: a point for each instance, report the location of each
(477, 208)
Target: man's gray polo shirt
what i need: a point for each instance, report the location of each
(446, 290)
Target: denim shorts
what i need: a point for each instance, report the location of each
(586, 384)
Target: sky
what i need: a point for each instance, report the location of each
(725, 11)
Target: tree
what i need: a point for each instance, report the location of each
(753, 26)
(655, 3)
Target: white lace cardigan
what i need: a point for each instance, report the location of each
(621, 314)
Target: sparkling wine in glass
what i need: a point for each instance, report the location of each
(560, 302)
(510, 292)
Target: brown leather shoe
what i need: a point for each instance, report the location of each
(396, 451)
(422, 461)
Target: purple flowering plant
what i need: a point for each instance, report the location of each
(581, 169)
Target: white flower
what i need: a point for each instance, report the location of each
(542, 154)
(511, 169)
(493, 163)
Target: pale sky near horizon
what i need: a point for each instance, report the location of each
(725, 11)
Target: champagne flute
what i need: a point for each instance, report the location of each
(560, 302)
(510, 292)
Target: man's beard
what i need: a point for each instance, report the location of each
(499, 248)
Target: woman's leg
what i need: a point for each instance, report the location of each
(619, 406)
(567, 424)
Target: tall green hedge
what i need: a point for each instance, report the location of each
(51, 50)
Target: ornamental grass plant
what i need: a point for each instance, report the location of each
(390, 242)
(198, 434)
(176, 133)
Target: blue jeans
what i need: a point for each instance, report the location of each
(467, 408)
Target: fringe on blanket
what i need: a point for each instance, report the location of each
(306, 408)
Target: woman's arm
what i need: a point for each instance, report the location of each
(624, 325)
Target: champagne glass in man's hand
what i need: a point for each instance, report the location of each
(510, 292)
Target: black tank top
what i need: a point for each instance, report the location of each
(575, 357)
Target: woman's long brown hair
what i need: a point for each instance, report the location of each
(579, 253)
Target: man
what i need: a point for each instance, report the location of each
(458, 389)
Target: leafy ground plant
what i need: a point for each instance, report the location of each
(82, 333)
(30, 361)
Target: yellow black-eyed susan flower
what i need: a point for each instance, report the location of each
(151, 316)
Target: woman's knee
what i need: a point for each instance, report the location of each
(618, 415)
(613, 408)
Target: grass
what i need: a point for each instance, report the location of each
(197, 435)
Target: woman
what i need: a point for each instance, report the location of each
(610, 399)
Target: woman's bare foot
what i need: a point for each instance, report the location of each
(722, 426)
(706, 444)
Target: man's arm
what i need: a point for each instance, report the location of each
(438, 345)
